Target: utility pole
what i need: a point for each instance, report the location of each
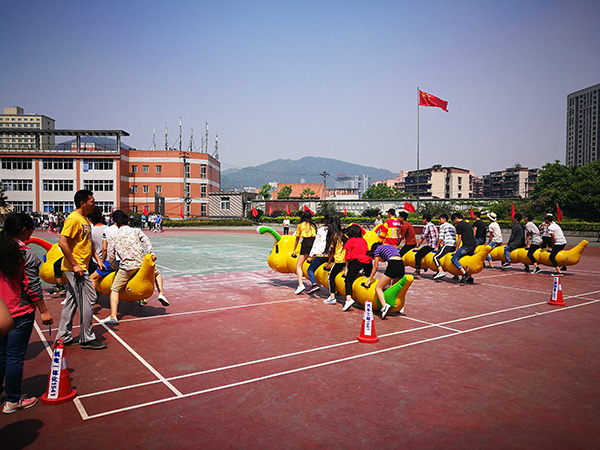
(324, 175)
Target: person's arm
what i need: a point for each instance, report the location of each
(147, 244)
(33, 286)
(63, 243)
(6, 320)
(104, 248)
(458, 240)
(373, 272)
(295, 246)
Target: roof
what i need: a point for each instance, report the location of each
(34, 131)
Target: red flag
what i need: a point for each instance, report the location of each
(345, 212)
(409, 207)
(254, 212)
(512, 213)
(559, 215)
(472, 215)
(287, 208)
(426, 99)
(306, 208)
(270, 210)
(181, 212)
(145, 211)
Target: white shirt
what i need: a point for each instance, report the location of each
(535, 238)
(495, 228)
(559, 237)
(320, 242)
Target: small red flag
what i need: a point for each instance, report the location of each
(345, 212)
(426, 99)
(270, 211)
(409, 207)
(559, 215)
(512, 213)
(472, 215)
(306, 208)
(287, 208)
(181, 212)
(254, 212)
(145, 211)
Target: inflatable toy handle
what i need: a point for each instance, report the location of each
(271, 231)
(42, 243)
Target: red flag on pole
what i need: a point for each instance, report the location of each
(426, 99)
(559, 215)
(306, 208)
(287, 209)
(181, 212)
(409, 207)
(270, 211)
(512, 213)
(145, 211)
(254, 212)
(345, 212)
(472, 215)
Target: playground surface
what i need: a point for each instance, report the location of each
(239, 361)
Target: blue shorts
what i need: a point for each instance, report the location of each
(108, 269)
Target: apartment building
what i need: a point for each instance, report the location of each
(440, 182)
(512, 182)
(583, 134)
(14, 118)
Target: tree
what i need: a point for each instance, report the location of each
(307, 193)
(265, 191)
(284, 193)
(382, 191)
(325, 208)
(2, 196)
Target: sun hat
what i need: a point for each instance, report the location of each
(492, 216)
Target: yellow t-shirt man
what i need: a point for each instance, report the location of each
(79, 231)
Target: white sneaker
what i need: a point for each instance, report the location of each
(299, 289)
(439, 275)
(347, 305)
(64, 302)
(163, 300)
(385, 310)
(110, 320)
(330, 301)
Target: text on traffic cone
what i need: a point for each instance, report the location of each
(59, 381)
(367, 330)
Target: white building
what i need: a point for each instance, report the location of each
(14, 117)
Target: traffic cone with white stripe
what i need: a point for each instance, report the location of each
(367, 331)
(59, 381)
(557, 296)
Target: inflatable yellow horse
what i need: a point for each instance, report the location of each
(471, 263)
(280, 259)
(139, 287)
(563, 258)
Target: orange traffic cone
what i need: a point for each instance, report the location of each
(557, 297)
(367, 330)
(59, 382)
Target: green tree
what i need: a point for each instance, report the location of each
(325, 208)
(284, 193)
(382, 191)
(2, 196)
(265, 191)
(307, 193)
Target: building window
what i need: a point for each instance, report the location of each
(58, 185)
(99, 185)
(134, 189)
(158, 189)
(186, 190)
(22, 207)
(58, 207)
(186, 168)
(146, 169)
(225, 204)
(57, 164)
(106, 207)
(97, 164)
(17, 164)
(134, 208)
(18, 185)
(146, 189)
(203, 190)
(202, 170)
(133, 169)
(203, 210)
(158, 169)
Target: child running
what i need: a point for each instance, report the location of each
(356, 259)
(337, 254)
(393, 272)
(306, 231)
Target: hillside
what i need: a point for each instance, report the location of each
(305, 170)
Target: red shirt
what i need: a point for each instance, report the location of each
(389, 230)
(357, 248)
(20, 291)
(407, 232)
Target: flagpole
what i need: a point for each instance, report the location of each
(418, 173)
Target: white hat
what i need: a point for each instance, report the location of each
(492, 216)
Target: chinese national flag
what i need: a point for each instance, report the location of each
(145, 211)
(512, 213)
(254, 212)
(181, 212)
(270, 210)
(287, 209)
(426, 99)
(472, 215)
(559, 215)
(409, 207)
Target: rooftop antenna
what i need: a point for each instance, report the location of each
(166, 138)
(216, 153)
(206, 139)
(191, 146)
(153, 146)
(179, 133)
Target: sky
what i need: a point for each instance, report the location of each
(288, 79)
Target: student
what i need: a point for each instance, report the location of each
(378, 220)
(495, 236)
(130, 246)
(464, 235)
(98, 230)
(286, 226)
(533, 241)
(479, 229)
(430, 236)
(446, 244)
(389, 229)
(21, 293)
(306, 230)
(393, 272)
(546, 236)
(318, 253)
(558, 243)
(357, 259)
(337, 255)
(516, 240)
(407, 234)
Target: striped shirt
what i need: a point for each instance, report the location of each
(385, 252)
(448, 234)
(430, 234)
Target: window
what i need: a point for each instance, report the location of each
(158, 189)
(146, 189)
(203, 190)
(57, 164)
(187, 170)
(186, 190)
(203, 210)
(145, 169)
(106, 207)
(158, 169)
(133, 169)
(99, 185)
(58, 207)
(26, 207)
(18, 185)
(17, 163)
(134, 208)
(58, 185)
(225, 204)
(97, 164)
(134, 189)
(203, 171)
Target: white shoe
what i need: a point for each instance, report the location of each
(110, 321)
(439, 275)
(385, 310)
(347, 305)
(163, 300)
(299, 289)
(330, 301)
(64, 302)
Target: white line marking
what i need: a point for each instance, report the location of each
(43, 339)
(82, 412)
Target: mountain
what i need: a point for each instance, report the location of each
(306, 170)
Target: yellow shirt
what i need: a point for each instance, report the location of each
(79, 231)
(339, 256)
(305, 230)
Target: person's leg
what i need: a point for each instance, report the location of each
(553, 253)
(88, 300)
(489, 256)
(299, 274)
(420, 255)
(456, 258)
(333, 273)
(353, 269)
(507, 250)
(65, 326)
(16, 346)
(404, 250)
(383, 282)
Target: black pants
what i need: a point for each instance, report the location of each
(354, 267)
(420, 255)
(554, 252)
(441, 252)
(335, 269)
(532, 249)
(407, 248)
